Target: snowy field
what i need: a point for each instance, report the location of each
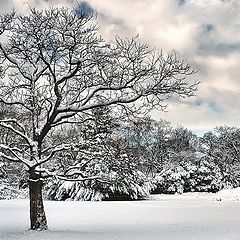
(165, 217)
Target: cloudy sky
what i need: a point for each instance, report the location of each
(205, 32)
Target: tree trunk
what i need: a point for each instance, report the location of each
(38, 219)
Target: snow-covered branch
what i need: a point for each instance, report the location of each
(15, 155)
(14, 121)
(53, 151)
(17, 132)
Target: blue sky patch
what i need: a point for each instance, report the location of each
(181, 2)
(84, 9)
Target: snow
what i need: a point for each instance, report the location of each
(191, 216)
(228, 195)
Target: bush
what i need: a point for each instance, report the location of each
(129, 188)
(186, 176)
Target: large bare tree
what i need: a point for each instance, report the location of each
(55, 68)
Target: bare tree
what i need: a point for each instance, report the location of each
(55, 68)
(148, 140)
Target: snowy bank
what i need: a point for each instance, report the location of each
(227, 195)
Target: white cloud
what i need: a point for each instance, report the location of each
(23, 5)
(206, 32)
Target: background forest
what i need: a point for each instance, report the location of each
(123, 158)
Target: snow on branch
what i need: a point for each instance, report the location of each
(21, 126)
(6, 20)
(53, 151)
(65, 178)
(45, 173)
(15, 156)
(17, 132)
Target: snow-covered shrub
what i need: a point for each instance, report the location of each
(114, 187)
(11, 186)
(231, 176)
(222, 146)
(9, 190)
(70, 190)
(187, 176)
(107, 170)
(135, 186)
(102, 163)
(171, 180)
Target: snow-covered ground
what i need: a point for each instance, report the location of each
(227, 195)
(189, 216)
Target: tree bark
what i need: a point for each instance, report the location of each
(38, 219)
